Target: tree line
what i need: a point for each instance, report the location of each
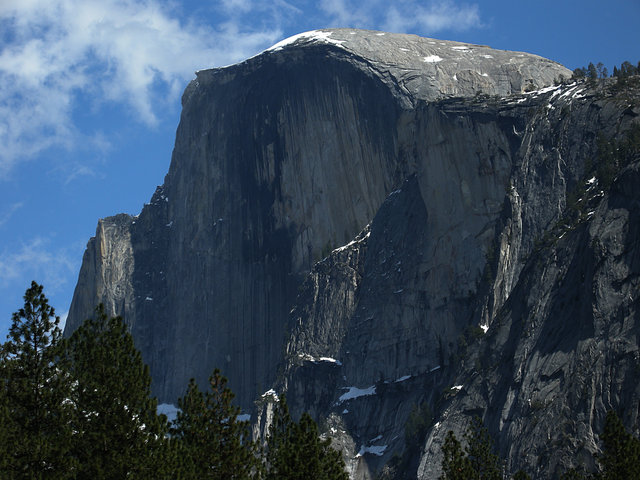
(81, 408)
(598, 71)
(620, 457)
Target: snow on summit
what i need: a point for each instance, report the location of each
(313, 35)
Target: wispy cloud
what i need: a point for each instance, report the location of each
(125, 51)
(58, 55)
(402, 16)
(348, 13)
(431, 17)
(6, 214)
(38, 260)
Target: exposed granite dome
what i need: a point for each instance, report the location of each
(347, 207)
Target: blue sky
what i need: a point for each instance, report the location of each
(90, 95)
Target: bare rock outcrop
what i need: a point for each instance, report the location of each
(371, 222)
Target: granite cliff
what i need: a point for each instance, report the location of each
(373, 222)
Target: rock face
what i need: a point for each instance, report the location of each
(347, 214)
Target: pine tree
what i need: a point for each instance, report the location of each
(521, 475)
(213, 443)
(6, 428)
(279, 445)
(477, 461)
(621, 451)
(484, 462)
(118, 433)
(455, 464)
(579, 73)
(573, 474)
(34, 409)
(295, 451)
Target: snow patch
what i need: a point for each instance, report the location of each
(461, 48)
(355, 392)
(314, 35)
(437, 367)
(352, 242)
(432, 59)
(331, 360)
(271, 393)
(245, 417)
(402, 379)
(149, 299)
(546, 89)
(311, 358)
(484, 328)
(306, 356)
(377, 450)
(570, 91)
(457, 387)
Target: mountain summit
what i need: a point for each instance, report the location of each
(374, 222)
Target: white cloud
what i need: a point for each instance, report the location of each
(7, 213)
(37, 260)
(130, 52)
(402, 16)
(233, 6)
(347, 13)
(59, 56)
(432, 17)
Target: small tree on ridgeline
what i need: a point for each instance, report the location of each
(118, 433)
(212, 442)
(35, 433)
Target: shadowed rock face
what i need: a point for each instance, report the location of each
(348, 195)
(554, 294)
(277, 160)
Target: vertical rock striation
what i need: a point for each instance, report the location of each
(367, 219)
(276, 161)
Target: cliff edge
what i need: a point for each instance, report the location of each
(353, 216)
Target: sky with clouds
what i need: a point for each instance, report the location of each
(90, 95)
